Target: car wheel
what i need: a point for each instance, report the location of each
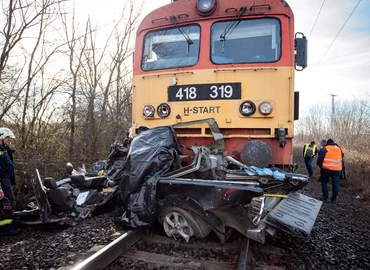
(180, 223)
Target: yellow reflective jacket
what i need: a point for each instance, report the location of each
(314, 150)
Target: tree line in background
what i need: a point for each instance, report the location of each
(65, 86)
(347, 122)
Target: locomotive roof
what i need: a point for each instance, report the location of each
(185, 11)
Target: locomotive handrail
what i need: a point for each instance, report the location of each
(234, 9)
(245, 69)
(159, 20)
(169, 74)
(260, 6)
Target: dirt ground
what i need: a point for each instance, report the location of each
(340, 239)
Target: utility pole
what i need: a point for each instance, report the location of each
(332, 109)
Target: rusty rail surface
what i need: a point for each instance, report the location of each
(121, 247)
(112, 251)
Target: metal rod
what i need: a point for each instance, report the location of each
(110, 252)
(233, 160)
(275, 195)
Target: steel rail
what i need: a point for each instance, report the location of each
(112, 251)
(245, 255)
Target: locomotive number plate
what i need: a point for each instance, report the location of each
(204, 92)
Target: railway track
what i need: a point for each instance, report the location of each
(138, 249)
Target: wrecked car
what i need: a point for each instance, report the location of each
(76, 197)
(213, 192)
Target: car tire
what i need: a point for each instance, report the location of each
(183, 223)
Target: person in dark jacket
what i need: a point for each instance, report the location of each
(1, 192)
(330, 160)
(322, 145)
(309, 152)
(6, 163)
(11, 151)
(6, 176)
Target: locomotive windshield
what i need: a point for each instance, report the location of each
(168, 48)
(248, 41)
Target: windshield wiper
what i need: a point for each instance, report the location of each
(231, 26)
(174, 21)
(186, 36)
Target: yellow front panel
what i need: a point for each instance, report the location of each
(273, 84)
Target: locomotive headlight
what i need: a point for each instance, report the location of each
(206, 7)
(163, 110)
(148, 111)
(247, 108)
(265, 108)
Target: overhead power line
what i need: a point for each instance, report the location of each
(339, 31)
(361, 101)
(314, 24)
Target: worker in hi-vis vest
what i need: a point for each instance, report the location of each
(330, 160)
(309, 151)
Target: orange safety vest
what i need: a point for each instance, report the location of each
(333, 158)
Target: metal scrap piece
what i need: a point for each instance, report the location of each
(295, 215)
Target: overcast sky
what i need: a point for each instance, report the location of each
(345, 68)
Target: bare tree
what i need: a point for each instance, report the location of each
(117, 91)
(39, 57)
(93, 73)
(21, 17)
(103, 79)
(76, 48)
(349, 126)
(316, 122)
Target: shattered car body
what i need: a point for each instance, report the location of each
(214, 192)
(66, 201)
(76, 197)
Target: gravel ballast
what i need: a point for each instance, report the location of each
(340, 239)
